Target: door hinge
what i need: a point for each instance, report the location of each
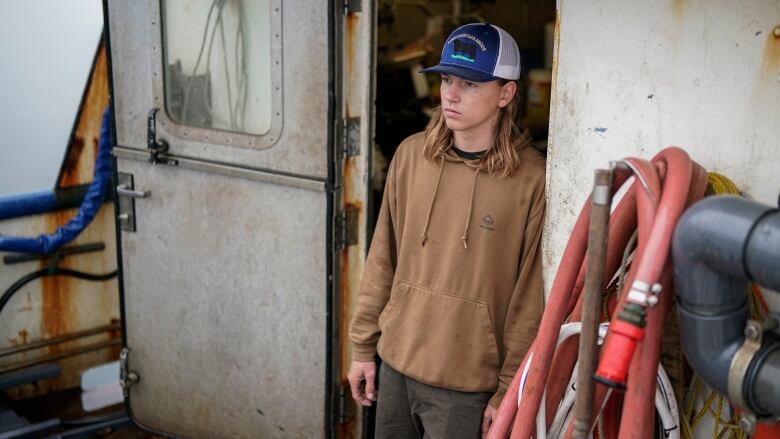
(351, 143)
(126, 377)
(346, 410)
(347, 228)
(351, 6)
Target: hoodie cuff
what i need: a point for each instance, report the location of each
(497, 397)
(363, 353)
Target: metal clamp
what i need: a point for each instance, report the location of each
(643, 294)
(741, 361)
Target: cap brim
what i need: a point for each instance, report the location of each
(461, 72)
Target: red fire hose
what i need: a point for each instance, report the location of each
(661, 190)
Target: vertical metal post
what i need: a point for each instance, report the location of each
(598, 236)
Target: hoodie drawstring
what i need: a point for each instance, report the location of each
(465, 236)
(424, 235)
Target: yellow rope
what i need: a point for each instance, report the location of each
(720, 184)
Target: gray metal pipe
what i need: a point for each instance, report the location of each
(720, 245)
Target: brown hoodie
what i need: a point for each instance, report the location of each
(451, 293)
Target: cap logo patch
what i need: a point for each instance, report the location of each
(470, 37)
(465, 50)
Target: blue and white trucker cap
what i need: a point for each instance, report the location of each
(479, 52)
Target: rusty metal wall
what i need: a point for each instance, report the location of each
(79, 161)
(54, 306)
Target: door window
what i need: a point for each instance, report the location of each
(217, 64)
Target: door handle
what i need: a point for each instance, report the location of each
(123, 191)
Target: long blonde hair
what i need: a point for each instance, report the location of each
(501, 158)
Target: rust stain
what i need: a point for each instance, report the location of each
(350, 257)
(771, 58)
(24, 337)
(79, 162)
(57, 312)
(115, 334)
(55, 291)
(70, 166)
(678, 8)
(554, 75)
(348, 280)
(556, 46)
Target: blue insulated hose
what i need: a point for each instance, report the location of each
(44, 244)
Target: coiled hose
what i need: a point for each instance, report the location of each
(662, 188)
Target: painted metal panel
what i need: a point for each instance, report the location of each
(225, 305)
(300, 148)
(632, 77)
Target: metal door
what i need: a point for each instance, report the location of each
(229, 134)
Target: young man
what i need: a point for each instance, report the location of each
(451, 296)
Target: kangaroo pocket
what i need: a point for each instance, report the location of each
(439, 339)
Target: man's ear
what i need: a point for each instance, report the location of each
(508, 92)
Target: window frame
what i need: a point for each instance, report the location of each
(215, 135)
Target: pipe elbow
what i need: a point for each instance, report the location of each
(711, 281)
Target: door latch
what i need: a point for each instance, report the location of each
(126, 196)
(156, 146)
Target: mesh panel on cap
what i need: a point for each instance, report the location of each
(508, 56)
(508, 52)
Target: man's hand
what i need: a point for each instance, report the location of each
(362, 376)
(487, 419)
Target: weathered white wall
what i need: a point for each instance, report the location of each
(633, 77)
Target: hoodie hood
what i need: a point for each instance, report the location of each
(478, 165)
(521, 141)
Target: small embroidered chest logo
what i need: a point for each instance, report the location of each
(488, 223)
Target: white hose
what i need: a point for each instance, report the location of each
(665, 402)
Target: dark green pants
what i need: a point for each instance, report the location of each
(409, 409)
